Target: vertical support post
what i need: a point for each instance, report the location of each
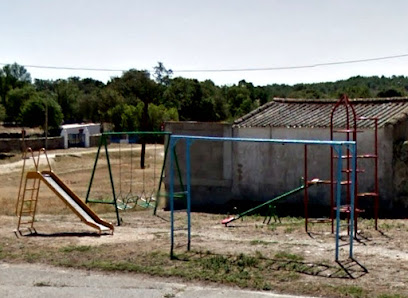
(112, 183)
(338, 198)
(101, 141)
(353, 150)
(158, 194)
(306, 195)
(376, 190)
(64, 134)
(188, 180)
(87, 137)
(46, 125)
(171, 197)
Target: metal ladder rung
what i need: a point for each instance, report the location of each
(32, 189)
(26, 222)
(29, 201)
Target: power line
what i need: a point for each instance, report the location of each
(67, 68)
(295, 67)
(226, 69)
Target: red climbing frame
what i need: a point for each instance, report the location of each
(345, 123)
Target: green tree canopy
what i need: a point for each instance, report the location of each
(34, 111)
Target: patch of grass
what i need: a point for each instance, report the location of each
(289, 230)
(80, 248)
(32, 257)
(390, 296)
(256, 216)
(386, 226)
(259, 242)
(216, 263)
(288, 256)
(247, 261)
(351, 291)
(288, 276)
(283, 272)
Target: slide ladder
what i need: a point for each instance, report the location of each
(28, 205)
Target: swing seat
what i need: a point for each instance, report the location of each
(228, 220)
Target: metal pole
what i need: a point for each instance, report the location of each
(158, 194)
(171, 197)
(353, 150)
(305, 195)
(101, 140)
(338, 149)
(188, 180)
(46, 125)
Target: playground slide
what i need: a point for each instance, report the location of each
(74, 202)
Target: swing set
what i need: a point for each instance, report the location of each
(136, 168)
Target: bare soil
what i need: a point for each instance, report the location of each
(379, 268)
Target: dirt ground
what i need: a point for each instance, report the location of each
(380, 257)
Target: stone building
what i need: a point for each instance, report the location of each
(225, 172)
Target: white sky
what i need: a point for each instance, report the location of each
(210, 34)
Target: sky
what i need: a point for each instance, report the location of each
(207, 35)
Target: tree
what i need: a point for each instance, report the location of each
(186, 95)
(389, 93)
(33, 113)
(136, 86)
(162, 74)
(12, 76)
(238, 98)
(159, 114)
(109, 98)
(16, 99)
(125, 117)
(44, 85)
(215, 105)
(67, 93)
(18, 73)
(2, 113)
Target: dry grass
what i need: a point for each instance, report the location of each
(280, 257)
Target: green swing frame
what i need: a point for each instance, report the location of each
(103, 142)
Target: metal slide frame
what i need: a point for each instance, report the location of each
(28, 196)
(337, 146)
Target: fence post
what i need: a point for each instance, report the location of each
(87, 136)
(64, 134)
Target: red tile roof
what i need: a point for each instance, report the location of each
(294, 113)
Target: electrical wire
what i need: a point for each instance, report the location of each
(225, 69)
(295, 67)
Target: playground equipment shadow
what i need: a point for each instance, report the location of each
(277, 257)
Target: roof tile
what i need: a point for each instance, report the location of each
(294, 113)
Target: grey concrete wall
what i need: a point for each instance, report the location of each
(399, 166)
(210, 162)
(270, 170)
(264, 171)
(225, 171)
(13, 145)
(16, 144)
(94, 140)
